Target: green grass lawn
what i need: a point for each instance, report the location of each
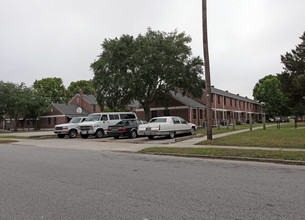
(6, 141)
(271, 137)
(235, 153)
(224, 129)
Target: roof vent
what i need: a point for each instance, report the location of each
(227, 91)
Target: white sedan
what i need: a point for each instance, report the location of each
(166, 126)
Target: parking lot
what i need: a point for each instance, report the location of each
(106, 143)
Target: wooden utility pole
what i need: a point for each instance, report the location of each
(207, 70)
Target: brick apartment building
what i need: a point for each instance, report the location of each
(225, 107)
(80, 105)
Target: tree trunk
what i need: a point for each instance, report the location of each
(146, 111)
(15, 123)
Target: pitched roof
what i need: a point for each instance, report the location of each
(70, 110)
(231, 95)
(91, 99)
(186, 100)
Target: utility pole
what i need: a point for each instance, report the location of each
(207, 70)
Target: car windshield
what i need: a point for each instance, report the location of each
(125, 122)
(158, 120)
(93, 118)
(75, 120)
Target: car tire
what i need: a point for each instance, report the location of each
(116, 137)
(192, 131)
(84, 136)
(133, 134)
(60, 135)
(72, 133)
(150, 137)
(99, 133)
(171, 135)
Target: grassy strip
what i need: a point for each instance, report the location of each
(24, 137)
(2, 141)
(225, 130)
(224, 152)
(14, 137)
(272, 138)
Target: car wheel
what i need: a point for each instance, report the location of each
(171, 135)
(116, 137)
(60, 135)
(192, 131)
(150, 137)
(84, 136)
(133, 134)
(72, 134)
(99, 133)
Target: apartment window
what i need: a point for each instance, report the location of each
(201, 114)
(230, 102)
(49, 121)
(55, 121)
(153, 114)
(166, 112)
(225, 100)
(218, 99)
(194, 114)
(94, 108)
(235, 103)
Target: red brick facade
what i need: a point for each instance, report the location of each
(225, 107)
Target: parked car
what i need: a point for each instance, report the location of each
(97, 124)
(125, 128)
(166, 126)
(70, 128)
(299, 119)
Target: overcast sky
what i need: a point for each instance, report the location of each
(61, 38)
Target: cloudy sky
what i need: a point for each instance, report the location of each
(61, 38)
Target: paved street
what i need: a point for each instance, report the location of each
(57, 183)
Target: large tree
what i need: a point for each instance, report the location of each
(146, 67)
(85, 85)
(52, 89)
(13, 100)
(268, 92)
(292, 79)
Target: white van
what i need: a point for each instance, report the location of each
(97, 124)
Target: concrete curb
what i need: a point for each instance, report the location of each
(265, 160)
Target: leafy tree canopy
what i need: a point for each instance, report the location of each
(85, 85)
(292, 79)
(52, 89)
(268, 91)
(19, 101)
(140, 68)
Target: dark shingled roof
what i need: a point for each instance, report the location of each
(70, 110)
(188, 101)
(231, 95)
(91, 99)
